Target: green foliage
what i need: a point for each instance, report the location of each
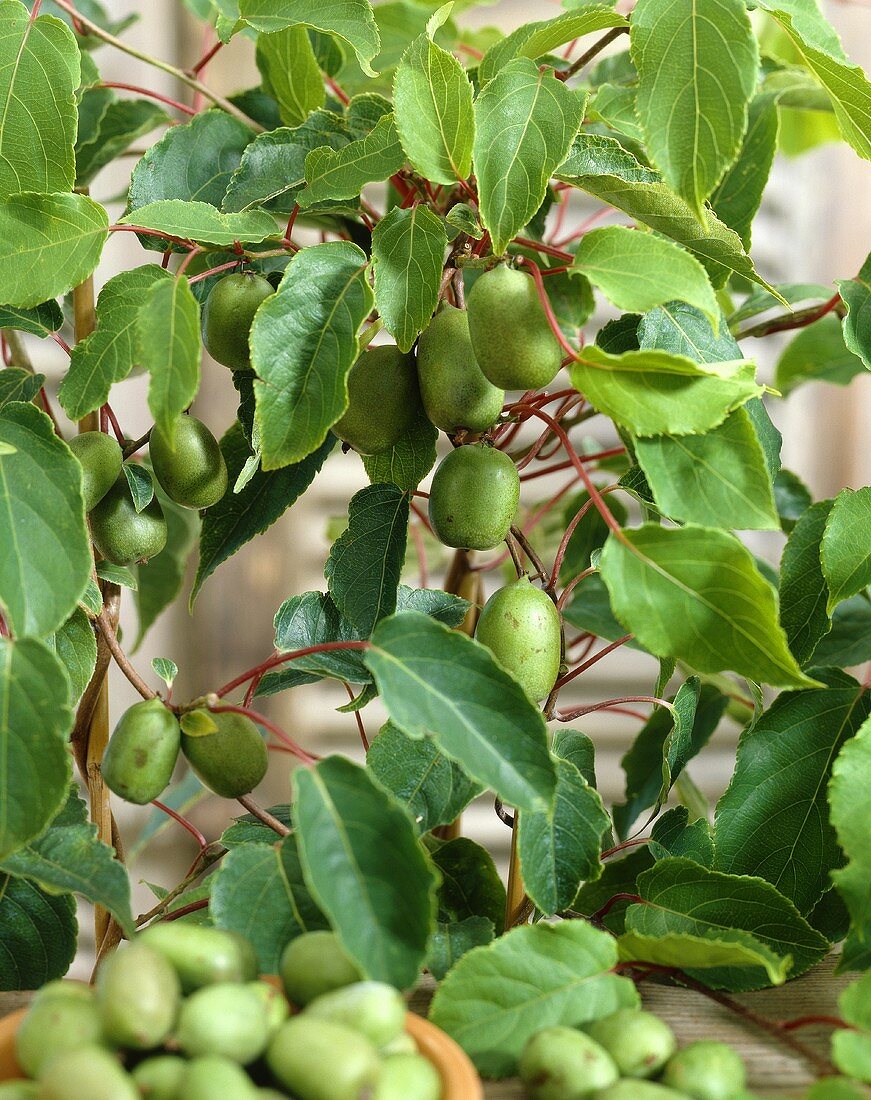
(848, 802)
(407, 251)
(845, 555)
(39, 934)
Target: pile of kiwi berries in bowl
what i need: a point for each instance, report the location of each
(180, 1014)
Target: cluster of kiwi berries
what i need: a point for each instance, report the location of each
(465, 361)
(229, 756)
(179, 1014)
(189, 468)
(616, 1057)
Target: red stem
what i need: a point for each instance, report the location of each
(337, 91)
(183, 821)
(812, 1021)
(420, 551)
(257, 717)
(546, 306)
(291, 221)
(422, 516)
(545, 249)
(600, 914)
(194, 907)
(116, 427)
(361, 729)
(279, 659)
(151, 233)
(610, 453)
(626, 844)
(61, 343)
(567, 591)
(206, 58)
(183, 107)
(613, 704)
(563, 680)
(212, 271)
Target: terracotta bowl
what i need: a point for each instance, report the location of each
(459, 1079)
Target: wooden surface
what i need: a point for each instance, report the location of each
(772, 1069)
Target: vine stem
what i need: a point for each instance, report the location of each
(183, 821)
(157, 63)
(563, 680)
(592, 52)
(279, 659)
(609, 704)
(174, 103)
(789, 321)
(263, 815)
(121, 658)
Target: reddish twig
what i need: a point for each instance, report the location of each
(626, 844)
(198, 278)
(263, 815)
(569, 676)
(613, 704)
(183, 821)
(592, 52)
(183, 107)
(535, 270)
(790, 321)
(61, 343)
(121, 657)
(281, 658)
(194, 907)
(600, 914)
(361, 729)
(116, 427)
(206, 58)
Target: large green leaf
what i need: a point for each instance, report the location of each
(696, 74)
(803, 589)
(70, 859)
(500, 995)
(726, 948)
(351, 20)
(620, 876)
(603, 168)
(46, 560)
(410, 459)
(408, 249)
(201, 222)
(433, 103)
(638, 271)
(525, 121)
(35, 718)
(817, 353)
(653, 392)
(849, 641)
(119, 125)
(168, 347)
(259, 892)
(683, 330)
(238, 517)
(341, 173)
(303, 344)
(37, 934)
(856, 294)
(365, 562)
(353, 837)
(470, 884)
(309, 620)
(738, 195)
(851, 1046)
(773, 821)
(48, 244)
(561, 849)
(434, 788)
(41, 320)
(849, 795)
(439, 683)
(75, 645)
(682, 896)
(39, 74)
(846, 548)
(453, 939)
(717, 478)
(694, 593)
(110, 352)
(290, 73)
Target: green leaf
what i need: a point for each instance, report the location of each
(409, 460)
(75, 646)
(37, 934)
(303, 344)
(851, 1049)
(849, 796)
(341, 173)
(726, 949)
(238, 517)
(614, 104)
(122, 122)
(198, 723)
(353, 837)
(673, 834)
(160, 578)
(166, 669)
(193, 162)
(259, 892)
(536, 976)
(40, 321)
(695, 594)
(408, 249)
(620, 876)
(638, 271)
(434, 115)
(39, 74)
(19, 385)
(836, 1088)
(856, 295)
(35, 718)
(46, 560)
(803, 588)
(434, 788)
(682, 896)
(248, 829)
(116, 574)
(683, 330)
(450, 941)
(737, 197)
(141, 484)
(350, 20)
(309, 620)
(470, 884)
(290, 73)
(463, 217)
(201, 222)
(439, 683)
(603, 168)
(69, 859)
(272, 169)
(792, 497)
(664, 746)
(365, 562)
(653, 392)
(561, 849)
(48, 244)
(696, 74)
(525, 121)
(590, 610)
(718, 478)
(773, 820)
(817, 352)
(169, 348)
(846, 551)
(846, 84)
(110, 352)
(849, 641)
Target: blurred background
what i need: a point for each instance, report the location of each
(815, 226)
